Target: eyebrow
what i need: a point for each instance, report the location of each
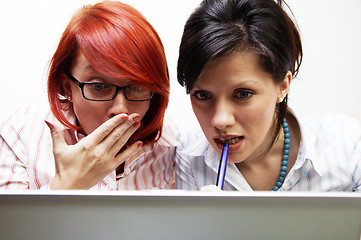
(90, 68)
(90, 71)
(238, 85)
(247, 82)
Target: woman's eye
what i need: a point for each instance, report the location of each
(243, 94)
(201, 95)
(99, 86)
(135, 89)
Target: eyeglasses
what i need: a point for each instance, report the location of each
(106, 92)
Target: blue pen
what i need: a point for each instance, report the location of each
(222, 167)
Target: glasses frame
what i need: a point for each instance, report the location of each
(118, 88)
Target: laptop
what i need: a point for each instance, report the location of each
(177, 214)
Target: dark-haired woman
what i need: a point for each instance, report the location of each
(108, 89)
(237, 61)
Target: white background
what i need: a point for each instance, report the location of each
(329, 79)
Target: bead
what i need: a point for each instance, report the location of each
(286, 151)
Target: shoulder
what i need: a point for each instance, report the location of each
(27, 113)
(332, 135)
(181, 138)
(25, 120)
(332, 125)
(170, 133)
(193, 142)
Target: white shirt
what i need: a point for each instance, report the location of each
(329, 159)
(27, 161)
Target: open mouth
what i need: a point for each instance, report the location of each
(230, 141)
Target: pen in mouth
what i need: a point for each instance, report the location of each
(222, 166)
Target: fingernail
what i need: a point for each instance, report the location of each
(51, 126)
(139, 144)
(136, 118)
(125, 117)
(136, 124)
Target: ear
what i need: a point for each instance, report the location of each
(67, 89)
(284, 87)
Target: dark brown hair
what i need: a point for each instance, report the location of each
(220, 27)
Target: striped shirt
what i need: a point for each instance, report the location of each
(27, 161)
(329, 159)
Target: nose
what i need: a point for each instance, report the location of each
(118, 105)
(223, 115)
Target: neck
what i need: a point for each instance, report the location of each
(272, 145)
(262, 168)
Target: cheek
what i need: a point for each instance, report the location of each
(257, 120)
(140, 108)
(89, 116)
(268, 112)
(202, 114)
(264, 114)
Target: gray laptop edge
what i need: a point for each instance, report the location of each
(173, 214)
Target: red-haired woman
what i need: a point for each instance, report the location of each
(108, 89)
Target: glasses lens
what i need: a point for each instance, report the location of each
(106, 92)
(99, 91)
(137, 93)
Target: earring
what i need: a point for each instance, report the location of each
(280, 99)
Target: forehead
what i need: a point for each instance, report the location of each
(236, 68)
(84, 71)
(81, 64)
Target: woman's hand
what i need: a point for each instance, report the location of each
(84, 164)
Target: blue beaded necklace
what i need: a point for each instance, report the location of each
(286, 151)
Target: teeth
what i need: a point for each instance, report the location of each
(229, 140)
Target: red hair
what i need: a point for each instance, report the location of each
(116, 40)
